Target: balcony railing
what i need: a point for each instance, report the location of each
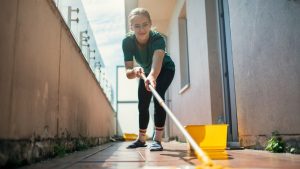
(76, 19)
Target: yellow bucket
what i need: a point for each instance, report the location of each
(211, 138)
(129, 136)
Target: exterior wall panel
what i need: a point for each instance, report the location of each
(266, 66)
(35, 72)
(47, 88)
(8, 16)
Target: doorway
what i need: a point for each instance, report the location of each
(226, 59)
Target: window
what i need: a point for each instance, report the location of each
(183, 47)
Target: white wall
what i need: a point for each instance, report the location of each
(194, 105)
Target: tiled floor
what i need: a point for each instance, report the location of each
(175, 155)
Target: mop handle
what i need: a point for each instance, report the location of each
(195, 146)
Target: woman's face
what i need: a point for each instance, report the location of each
(141, 27)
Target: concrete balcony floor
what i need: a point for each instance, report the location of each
(175, 155)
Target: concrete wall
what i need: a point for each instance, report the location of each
(47, 88)
(266, 56)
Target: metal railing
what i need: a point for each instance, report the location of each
(75, 17)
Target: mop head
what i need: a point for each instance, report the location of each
(207, 163)
(208, 166)
(187, 167)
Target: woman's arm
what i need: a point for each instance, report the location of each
(132, 72)
(158, 57)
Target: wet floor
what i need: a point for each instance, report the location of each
(175, 155)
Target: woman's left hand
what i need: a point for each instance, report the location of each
(150, 80)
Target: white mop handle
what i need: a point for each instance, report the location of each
(195, 146)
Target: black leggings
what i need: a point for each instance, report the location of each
(163, 81)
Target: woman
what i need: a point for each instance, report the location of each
(147, 47)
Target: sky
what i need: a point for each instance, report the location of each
(107, 21)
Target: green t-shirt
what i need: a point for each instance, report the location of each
(144, 57)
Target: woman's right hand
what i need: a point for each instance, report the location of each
(138, 71)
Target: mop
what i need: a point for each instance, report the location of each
(207, 163)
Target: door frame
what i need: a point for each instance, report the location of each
(228, 83)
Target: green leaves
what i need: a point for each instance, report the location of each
(59, 150)
(275, 144)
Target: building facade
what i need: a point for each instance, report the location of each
(236, 63)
